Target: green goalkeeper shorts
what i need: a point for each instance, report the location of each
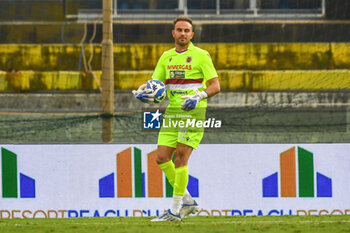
(180, 127)
(183, 135)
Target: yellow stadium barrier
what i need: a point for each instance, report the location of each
(238, 56)
(299, 80)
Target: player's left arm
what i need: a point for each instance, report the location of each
(191, 101)
(213, 87)
(210, 76)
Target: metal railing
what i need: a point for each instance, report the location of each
(217, 9)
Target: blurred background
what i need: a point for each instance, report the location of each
(284, 68)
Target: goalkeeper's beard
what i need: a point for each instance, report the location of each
(182, 44)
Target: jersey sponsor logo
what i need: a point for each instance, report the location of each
(188, 59)
(177, 74)
(179, 67)
(173, 93)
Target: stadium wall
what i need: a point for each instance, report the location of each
(32, 10)
(138, 31)
(249, 56)
(67, 181)
(250, 66)
(293, 80)
(337, 9)
(55, 10)
(124, 101)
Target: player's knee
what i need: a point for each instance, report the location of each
(160, 160)
(180, 164)
(180, 160)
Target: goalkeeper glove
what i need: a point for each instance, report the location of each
(144, 94)
(192, 100)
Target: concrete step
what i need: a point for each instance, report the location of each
(124, 101)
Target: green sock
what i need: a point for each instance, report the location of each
(169, 170)
(181, 180)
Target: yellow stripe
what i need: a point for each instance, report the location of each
(3, 81)
(245, 56)
(300, 80)
(315, 80)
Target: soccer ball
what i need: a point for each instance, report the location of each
(158, 89)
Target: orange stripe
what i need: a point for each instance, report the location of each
(288, 173)
(154, 176)
(124, 181)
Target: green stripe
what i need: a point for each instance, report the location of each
(306, 173)
(9, 173)
(137, 172)
(168, 188)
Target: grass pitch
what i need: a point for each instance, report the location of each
(251, 224)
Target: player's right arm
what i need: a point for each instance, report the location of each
(142, 93)
(159, 72)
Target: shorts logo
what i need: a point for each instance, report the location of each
(151, 120)
(188, 59)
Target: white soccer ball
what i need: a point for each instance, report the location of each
(158, 89)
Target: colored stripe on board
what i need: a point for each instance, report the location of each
(124, 180)
(154, 176)
(288, 173)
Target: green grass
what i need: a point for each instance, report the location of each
(261, 224)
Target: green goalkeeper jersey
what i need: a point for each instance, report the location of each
(183, 72)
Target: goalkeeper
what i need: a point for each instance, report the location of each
(190, 78)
